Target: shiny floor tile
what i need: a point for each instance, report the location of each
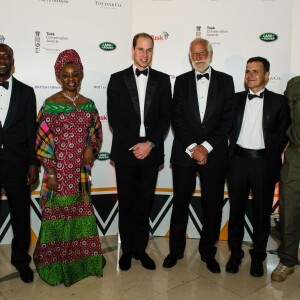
(189, 279)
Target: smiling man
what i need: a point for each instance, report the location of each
(201, 119)
(257, 140)
(139, 112)
(18, 162)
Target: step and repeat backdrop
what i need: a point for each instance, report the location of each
(102, 31)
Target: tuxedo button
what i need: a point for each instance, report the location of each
(202, 126)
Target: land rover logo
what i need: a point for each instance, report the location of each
(107, 46)
(268, 37)
(103, 156)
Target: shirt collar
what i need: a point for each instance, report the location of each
(9, 80)
(135, 67)
(208, 71)
(258, 93)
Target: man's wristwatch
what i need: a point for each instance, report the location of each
(151, 144)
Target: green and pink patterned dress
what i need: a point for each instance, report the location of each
(68, 248)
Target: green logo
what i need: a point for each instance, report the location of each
(268, 37)
(107, 46)
(103, 156)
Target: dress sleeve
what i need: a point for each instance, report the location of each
(95, 134)
(45, 145)
(48, 163)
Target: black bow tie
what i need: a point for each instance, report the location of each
(251, 96)
(206, 75)
(139, 72)
(5, 84)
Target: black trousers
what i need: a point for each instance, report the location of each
(136, 187)
(212, 195)
(245, 175)
(18, 197)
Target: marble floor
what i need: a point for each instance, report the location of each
(189, 279)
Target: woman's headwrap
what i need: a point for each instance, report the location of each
(67, 56)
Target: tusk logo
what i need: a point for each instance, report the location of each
(107, 46)
(268, 37)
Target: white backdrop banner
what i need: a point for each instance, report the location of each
(101, 32)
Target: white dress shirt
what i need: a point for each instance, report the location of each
(251, 134)
(5, 101)
(141, 83)
(202, 92)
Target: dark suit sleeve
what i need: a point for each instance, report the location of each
(162, 124)
(221, 130)
(31, 124)
(115, 115)
(182, 133)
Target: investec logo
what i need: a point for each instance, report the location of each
(107, 46)
(268, 37)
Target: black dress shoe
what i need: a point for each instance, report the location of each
(212, 265)
(125, 262)
(26, 273)
(233, 265)
(147, 262)
(256, 268)
(171, 260)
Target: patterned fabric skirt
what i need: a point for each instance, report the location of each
(68, 248)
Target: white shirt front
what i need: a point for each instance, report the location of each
(251, 134)
(202, 93)
(5, 95)
(141, 83)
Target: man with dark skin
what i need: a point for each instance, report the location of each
(18, 162)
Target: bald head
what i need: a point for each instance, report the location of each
(6, 62)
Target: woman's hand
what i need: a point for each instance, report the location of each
(88, 155)
(51, 182)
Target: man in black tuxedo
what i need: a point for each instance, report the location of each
(139, 112)
(201, 119)
(257, 140)
(18, 162)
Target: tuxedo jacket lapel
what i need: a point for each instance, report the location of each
(240, 111)
(151, 87)
(193, 97)
(211, 96)
(12, 105)
(132, 89)
(266, 113)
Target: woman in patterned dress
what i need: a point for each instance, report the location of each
(68, 248)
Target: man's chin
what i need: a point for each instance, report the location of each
(201, 70)
(4, 74)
